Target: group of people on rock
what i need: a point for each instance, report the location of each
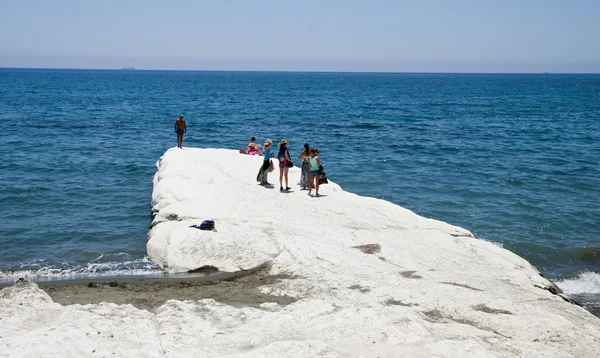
(312, 174)
(312, 170)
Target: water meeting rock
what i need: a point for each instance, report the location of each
(368, 278)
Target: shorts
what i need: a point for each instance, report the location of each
(313, 173)
(179, 131)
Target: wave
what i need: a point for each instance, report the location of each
(586, 282)
(139, 267)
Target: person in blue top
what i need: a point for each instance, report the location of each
(264, 169)
(315, 163)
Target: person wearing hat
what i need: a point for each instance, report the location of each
(264, 169)
(285, 162)
(180, 129)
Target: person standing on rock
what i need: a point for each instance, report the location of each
(180, 129)
(285, 162)
(264, 169)
(305, 156)
(315, 163)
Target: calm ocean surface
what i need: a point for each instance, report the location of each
(513, 158)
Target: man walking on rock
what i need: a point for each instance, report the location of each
(180, 129)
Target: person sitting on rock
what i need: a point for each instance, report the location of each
(253, 148)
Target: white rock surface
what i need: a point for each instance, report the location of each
(431, 291)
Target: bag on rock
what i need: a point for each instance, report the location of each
(208, 225)
(322, 176)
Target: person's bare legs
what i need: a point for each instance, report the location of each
(281, 178)
(317, 186)
(286, 171)
(310, 185)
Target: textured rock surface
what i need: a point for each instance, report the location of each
(371, 279)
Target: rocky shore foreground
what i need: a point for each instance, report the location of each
(297, 276)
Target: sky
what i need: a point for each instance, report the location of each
(326, 35)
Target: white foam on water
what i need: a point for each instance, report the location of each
(499, 244)
(138, 267)
(586, 282)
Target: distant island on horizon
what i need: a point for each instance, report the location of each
(128, 69)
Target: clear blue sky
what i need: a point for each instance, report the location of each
(423, 36)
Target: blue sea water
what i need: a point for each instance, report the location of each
(512, 157)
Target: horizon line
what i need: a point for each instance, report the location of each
(133, 69)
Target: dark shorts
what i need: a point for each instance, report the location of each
(179, 131)
(313, 173)
(265, 165)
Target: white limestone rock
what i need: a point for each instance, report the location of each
(237, 245)
(31, 325)
(420, 288)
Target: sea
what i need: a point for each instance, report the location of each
(514, 158)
